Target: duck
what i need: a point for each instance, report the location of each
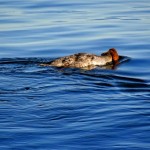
(82, 60)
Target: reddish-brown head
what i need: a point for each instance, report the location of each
(114, 54)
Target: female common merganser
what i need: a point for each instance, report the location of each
(82, 60)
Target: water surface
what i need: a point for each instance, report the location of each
(50, 108)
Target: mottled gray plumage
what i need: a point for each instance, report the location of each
(82, 60)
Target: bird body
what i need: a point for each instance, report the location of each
(81, 60)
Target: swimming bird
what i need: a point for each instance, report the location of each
(82, 60)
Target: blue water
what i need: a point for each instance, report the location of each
(48, 108)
